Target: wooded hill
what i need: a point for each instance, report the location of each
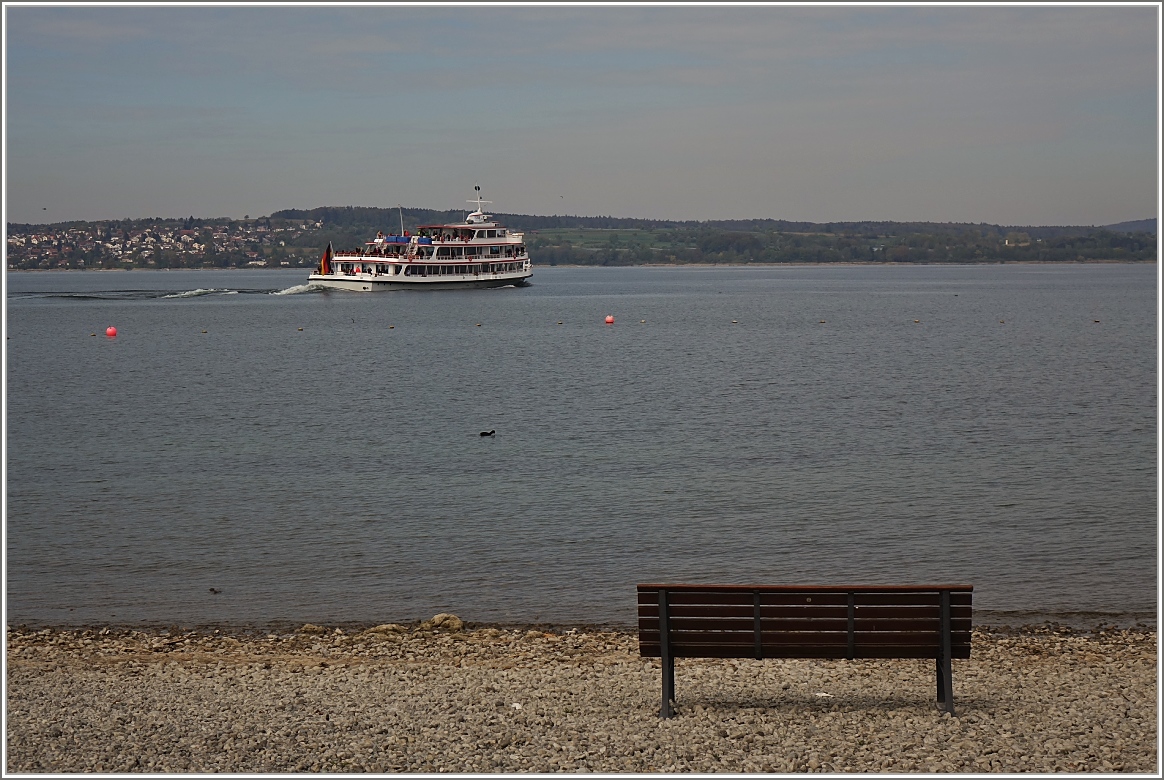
(571, 240)
(297, 238)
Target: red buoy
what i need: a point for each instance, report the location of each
(609, 319)
(111, 331)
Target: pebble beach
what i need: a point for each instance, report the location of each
(442, 696)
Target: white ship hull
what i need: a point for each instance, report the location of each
(371, 282)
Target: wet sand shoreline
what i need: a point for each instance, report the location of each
(457, 698)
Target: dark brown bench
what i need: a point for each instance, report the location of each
(810, 621)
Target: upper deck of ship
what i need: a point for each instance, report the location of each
(477, 225)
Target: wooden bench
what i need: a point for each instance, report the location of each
(811, 621)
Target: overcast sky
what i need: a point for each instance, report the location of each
(1009, 115)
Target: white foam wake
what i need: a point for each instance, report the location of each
(201, 291)
(299, 288)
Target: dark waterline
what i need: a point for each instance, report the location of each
(335, 473)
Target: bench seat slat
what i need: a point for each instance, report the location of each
(795, 651)
(679, 638)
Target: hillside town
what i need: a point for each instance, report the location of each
(188, 243)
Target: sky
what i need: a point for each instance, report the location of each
(1001, 114)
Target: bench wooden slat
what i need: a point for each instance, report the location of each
(745, 602)
(804, 637)
(807, 651)
(863, 612)
(782, 593)
(747, 639)
(860, 624)
(863, 600)
(801, 588)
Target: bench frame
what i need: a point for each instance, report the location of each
(776, 621)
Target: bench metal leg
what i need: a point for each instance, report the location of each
(666, 711)
(945, 686)
(942, 665)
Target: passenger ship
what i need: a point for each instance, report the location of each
(473, 253)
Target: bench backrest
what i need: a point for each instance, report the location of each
(814, 621)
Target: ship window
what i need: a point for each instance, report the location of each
(491, 234)
(495, 250)
(500, 233)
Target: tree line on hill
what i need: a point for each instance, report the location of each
(627, 241)
(364, 218)
(708, 245)
(297, 237)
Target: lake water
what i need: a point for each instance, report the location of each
(315, 456)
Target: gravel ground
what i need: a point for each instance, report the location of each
(452, 698)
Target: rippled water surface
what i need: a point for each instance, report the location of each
(315, 456)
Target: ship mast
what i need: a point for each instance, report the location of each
(478, 213)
